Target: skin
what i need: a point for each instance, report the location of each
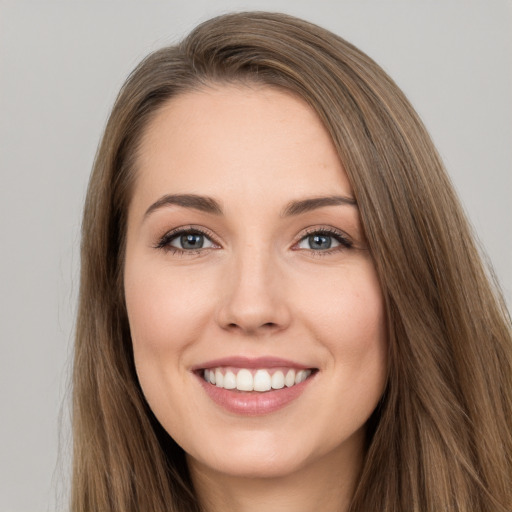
(256, 289)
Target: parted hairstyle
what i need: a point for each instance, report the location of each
(441, 437)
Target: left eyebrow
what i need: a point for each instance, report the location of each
(307, 205)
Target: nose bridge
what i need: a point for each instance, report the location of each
(253, 298)
(253, 271)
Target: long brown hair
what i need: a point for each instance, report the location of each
(441, 438)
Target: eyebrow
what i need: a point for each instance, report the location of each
(201, 203)
(307, 205)
(210, 205)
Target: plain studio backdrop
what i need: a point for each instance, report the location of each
(61, 65)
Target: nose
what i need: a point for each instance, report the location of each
(253, 296)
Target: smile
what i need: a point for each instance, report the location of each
(254, 386)
(259, 380)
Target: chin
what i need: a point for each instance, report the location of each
(267, 456)
(259, 466)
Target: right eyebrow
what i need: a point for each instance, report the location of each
(201, 203)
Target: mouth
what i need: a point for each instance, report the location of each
(259, 380)
(254, 387)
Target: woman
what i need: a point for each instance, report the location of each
(281, 303)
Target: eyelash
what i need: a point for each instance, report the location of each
(165, 241)
(339, 236)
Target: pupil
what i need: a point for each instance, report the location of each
(192, 241)
(320, 242)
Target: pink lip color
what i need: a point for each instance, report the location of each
(250, 362)
(252, 403)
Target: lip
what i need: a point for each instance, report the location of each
(250, 362)
(252, 403)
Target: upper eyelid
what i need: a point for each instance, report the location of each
(330, 230)
(323, 229)
(189, 229)
(164, 240)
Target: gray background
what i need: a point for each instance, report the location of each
(61, 64)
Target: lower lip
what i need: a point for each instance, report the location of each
(254, 403)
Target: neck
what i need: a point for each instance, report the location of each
(326, 484)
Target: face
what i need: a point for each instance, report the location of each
(254, 308)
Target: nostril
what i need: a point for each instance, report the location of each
(267, 324)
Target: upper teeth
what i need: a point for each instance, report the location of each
(258, 380)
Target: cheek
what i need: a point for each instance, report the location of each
(165, 310)
(346, 309)
(348, 320)
(167, 314)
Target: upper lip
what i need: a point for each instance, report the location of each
(250, 362)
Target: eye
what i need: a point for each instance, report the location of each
(190, 241)
(323, 241)
(186, 240)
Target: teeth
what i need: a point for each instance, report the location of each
(300, 377)
(229, 381)
(219, 378)
(261, 381)
(278, 380)
(244, 381)
(209, 376)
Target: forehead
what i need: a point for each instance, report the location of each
(253, 141)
